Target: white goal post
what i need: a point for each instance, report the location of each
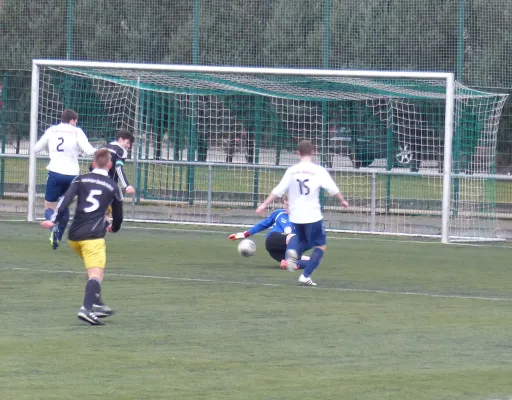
(386, 136)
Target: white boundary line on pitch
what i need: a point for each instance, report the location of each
(202, 280)
(347, 237)
(375, 239)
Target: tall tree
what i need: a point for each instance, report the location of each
(31, 29)
(135, 31)
(231, 31)
(293, 34)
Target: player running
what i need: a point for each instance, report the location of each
(64, 142)
(302, 182)
(95, 192)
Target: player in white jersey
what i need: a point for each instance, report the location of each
(64, 142)
(302, 182)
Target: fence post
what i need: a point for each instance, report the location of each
(257, 147)
(460, 40)
(69, 30)
(3, 125)
(327, 33)
(390, 153)
(373, 202)
(210, 197)
(195, 39)
(135, 149)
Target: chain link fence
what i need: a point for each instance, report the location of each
(472, 38)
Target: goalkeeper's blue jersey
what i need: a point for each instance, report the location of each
(278, 221)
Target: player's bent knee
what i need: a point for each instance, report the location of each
(95, 273)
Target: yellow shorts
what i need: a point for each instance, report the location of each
(93, 252)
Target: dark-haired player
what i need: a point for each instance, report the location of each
(118, 152)
(95, 192)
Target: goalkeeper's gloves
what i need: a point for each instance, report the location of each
(239, 235)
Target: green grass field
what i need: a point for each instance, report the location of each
(390, 319)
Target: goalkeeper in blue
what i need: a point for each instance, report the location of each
(281, 234)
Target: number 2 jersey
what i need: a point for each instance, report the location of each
(95, 192)
(303, 181)
(64, 142)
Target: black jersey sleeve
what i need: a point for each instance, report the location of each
(123, 180)
(119, 155)
(66, 200)
(117, 211)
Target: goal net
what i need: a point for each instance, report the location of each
(212, 142)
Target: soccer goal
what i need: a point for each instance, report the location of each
(413, 152)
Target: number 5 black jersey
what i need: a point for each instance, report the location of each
(95, 192)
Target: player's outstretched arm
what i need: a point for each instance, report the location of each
(41, 144)
(259, 227)
(239, 235)
(83, 142)
(343, 202)
(271, 197)
(277, 192)
(331, 187)
(123, 180)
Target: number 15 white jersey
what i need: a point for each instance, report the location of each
(303, 181)
(64, 142)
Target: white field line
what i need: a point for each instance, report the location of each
(348, 237)
(372, 239)
(200, 280)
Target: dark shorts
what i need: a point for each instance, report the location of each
(310, 235)
(56, 185)
(275, 243)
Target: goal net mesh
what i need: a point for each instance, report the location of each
(209, 146)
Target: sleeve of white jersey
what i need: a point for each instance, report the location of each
(328, 183)
(283, 186)
(42, 143)
(83, 142)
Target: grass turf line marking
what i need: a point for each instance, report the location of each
(391, 239)
(150, 228)
(202, 280)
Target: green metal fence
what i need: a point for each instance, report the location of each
(469, 37)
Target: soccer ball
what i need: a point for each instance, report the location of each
(246, 248)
